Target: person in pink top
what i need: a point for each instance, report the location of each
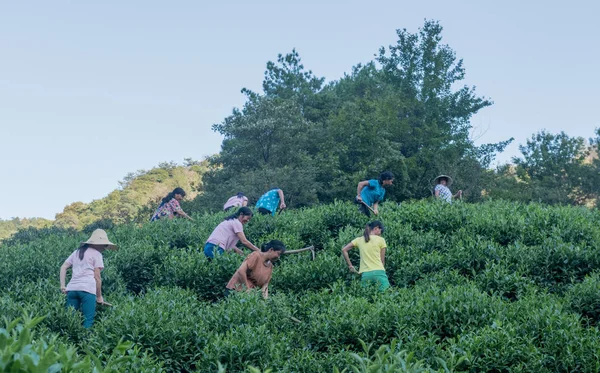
(239, 200)
(84, 289)
(227, 234)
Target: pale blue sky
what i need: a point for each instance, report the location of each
(91, 90)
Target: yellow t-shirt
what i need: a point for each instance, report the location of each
(370, 253)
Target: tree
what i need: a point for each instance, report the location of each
(399, 113)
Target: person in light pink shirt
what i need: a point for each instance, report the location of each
(239, 200)
(84, 289)
(227, 234)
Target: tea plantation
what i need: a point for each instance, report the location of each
(493, 287)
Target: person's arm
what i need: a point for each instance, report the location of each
(98, 278)
(178, 210)
(359, 189)
(265, 290)
(345, 250)
(375, 206)
(245, 242)
(63, 276)
(245, 203)
(237, 250)
(281, 199)
(382, 253)
(243, 274)
(437, 193)
(458, 194)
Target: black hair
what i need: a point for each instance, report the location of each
(171, 195)
(442, 178)
(275, 245)
(240, 195)
(82, 249)
(245, 211)
(369, 227)
(386, 175)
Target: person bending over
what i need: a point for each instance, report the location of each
(227, 234)
(370, 192)
(257, 268)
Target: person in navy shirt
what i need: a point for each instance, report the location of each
(371, 192)
(268, 203)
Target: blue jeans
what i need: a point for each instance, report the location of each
(209, 250)
(84, 302)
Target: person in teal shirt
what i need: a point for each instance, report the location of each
(371, 192)
(268, 202)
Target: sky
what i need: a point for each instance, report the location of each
(92, 90)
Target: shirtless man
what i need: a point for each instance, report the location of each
(257, 268)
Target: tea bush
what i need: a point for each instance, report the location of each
(492, 287)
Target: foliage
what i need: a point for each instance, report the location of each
(495, 286)
(555, 169)
(401, 112)
(137, 191)
(8, 227)
(22, 351)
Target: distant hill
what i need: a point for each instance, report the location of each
(8, 227)
(134, 200)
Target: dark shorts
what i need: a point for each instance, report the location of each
(362, 208)
(264, 211)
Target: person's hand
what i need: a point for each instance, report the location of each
(460, 193)
(100, 300)
(63, 290)
(352, 269)
(359, 199)
(376, 211)
(282, 205)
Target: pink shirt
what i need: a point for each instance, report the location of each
(225, 234)
(83, 270)
(234, 201)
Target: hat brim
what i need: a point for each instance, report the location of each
(109, 245)
(436, 180)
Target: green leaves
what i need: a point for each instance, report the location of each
(496, 286)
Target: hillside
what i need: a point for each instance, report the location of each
(134, 200)
(490, 287)
(8, 227)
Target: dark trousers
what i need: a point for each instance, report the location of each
(362, 207)
(264, 211)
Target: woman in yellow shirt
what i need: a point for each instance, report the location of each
(372, 255)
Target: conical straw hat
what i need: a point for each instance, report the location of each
(435, 181)
(99, 237)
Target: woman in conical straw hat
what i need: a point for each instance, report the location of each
(84, 289)
(442, 192)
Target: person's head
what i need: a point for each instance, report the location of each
(240, 195)
(99, 241)
(443, 180)
(83, 248)
(177, 193)
(244, 214)
(386, 178)
(373, 228)
(273, 249)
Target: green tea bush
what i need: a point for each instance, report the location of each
(584, 298)
(492, 287)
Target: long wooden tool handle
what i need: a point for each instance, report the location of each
(299, 250)
(369, 207)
